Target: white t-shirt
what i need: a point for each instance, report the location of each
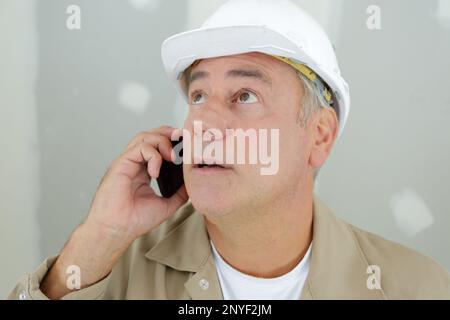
(239, 286)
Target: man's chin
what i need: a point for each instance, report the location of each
(211, 202)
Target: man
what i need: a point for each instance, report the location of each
(231, 232)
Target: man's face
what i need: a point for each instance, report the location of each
(247, 91)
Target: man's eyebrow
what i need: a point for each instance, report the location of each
(198, 75)
(250, 73)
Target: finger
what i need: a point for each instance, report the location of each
(160, 142)
(132, 161)
(165, 131)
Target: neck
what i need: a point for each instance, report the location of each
(265, 242)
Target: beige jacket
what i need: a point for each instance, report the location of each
(175, 262)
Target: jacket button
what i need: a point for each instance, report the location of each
(204, 284)
(23, 296)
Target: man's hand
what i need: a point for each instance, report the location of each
(124, 208)
(125, 203)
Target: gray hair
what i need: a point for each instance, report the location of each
(312, 101)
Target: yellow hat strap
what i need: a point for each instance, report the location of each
(311, 75)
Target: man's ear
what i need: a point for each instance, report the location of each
(324, 134)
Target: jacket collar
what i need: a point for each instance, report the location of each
(338, 267)
(186, 247)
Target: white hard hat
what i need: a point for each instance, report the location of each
(273, 27)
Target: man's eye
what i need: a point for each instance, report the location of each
(247, 97)
(198, 98)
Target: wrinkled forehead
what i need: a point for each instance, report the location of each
(253, 64)
(252, 57)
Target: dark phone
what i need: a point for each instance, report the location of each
(171, 175)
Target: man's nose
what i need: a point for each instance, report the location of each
(213, 116)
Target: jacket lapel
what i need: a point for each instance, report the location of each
(187, 248)
(204, 284)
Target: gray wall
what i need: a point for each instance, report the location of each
(70, 100)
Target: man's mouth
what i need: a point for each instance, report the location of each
(211, 168)
(204, 165)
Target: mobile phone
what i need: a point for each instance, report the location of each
(171, 175)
